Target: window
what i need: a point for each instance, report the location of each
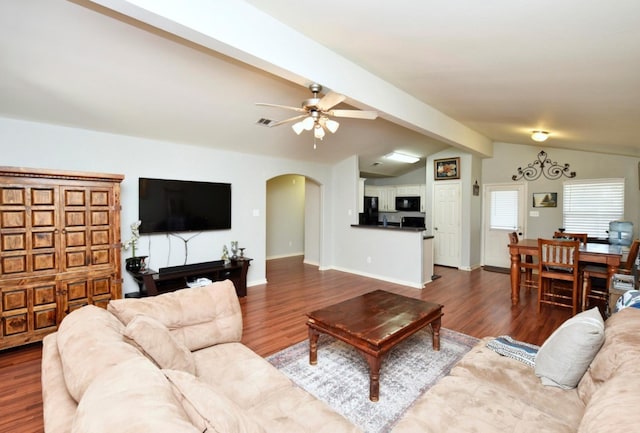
(590, 205)
(504, 210)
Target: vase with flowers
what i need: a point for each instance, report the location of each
(134, 263)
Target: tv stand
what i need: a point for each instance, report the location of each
(172, 278)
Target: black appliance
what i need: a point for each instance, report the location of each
(417, 222)
(408, 204)
(178, 205)
(370, 214)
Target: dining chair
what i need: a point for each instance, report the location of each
(527, 266)
(582, 237)
(601, 272)
(558, 261)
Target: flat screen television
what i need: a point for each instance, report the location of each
(166, 206)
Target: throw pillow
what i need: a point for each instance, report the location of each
(157, 343)
(208, 409)
(565, 356)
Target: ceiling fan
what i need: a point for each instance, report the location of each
(317, 113)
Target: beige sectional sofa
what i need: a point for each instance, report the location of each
(174, 363)
(487, 392)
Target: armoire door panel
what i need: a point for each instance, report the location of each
(43, 295)
(102, 286)
(44, 261)
(99, 198)
(14, 241)
(100, 257)
(42, 239)
(76, 239)
(15, 299)
(14, 219)
(77, 290)
(43, 196)
(99, 217)
(15, 323)
(100, 237)
(13, 264)
(43, 218)
(13, 196)
(45, 318)
(76, 259)
(75, 218)
(74, 197)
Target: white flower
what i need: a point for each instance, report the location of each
(135, 235)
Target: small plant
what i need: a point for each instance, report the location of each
(135, 235)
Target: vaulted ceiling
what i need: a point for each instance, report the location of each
(459, 73)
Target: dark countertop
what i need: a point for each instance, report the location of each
(389, 227)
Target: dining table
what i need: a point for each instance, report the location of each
(597, 253)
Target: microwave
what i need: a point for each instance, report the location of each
(408, 204)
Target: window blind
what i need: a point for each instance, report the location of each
(504, 210)
(590, 205)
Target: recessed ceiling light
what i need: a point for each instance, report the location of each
(401, 157)
(539, 136)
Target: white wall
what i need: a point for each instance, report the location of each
(285, 216)
(29, 144)
(312, 222)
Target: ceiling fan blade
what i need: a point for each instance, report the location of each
(329, 100)
(286, 107)
(291, 119)
(354, 114)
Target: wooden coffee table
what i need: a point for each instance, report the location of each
(374, 323)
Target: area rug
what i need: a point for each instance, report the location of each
(341, 377)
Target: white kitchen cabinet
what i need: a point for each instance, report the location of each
(386, 196)
(407, 190)
(423, 198)
(387, 199)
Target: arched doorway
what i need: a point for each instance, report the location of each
(293, 218)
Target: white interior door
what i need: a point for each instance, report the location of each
(446, 223)
(504, 212)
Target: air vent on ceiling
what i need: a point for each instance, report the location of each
(264, 122)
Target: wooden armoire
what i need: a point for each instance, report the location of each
(59, 248)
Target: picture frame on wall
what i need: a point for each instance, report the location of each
(545, 199)
(446, 169)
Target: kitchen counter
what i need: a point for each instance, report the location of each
(389, 227)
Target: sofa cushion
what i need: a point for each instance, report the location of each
(613, 408)
(619, 353)
(467, 404)
(243, 376)
(58, 407)
(197, 317)
(267, 395)
(155, 340)
(132, 397)
(565, 356)
(208, 409)
(89, 341)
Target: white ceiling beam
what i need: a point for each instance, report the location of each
(239, 30)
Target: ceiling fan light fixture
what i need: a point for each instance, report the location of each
(539, 136)
(308, 123)
(332, 125)
(401, 157)
(298, 127)
(318, 132)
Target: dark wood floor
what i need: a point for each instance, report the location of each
(477, 303)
